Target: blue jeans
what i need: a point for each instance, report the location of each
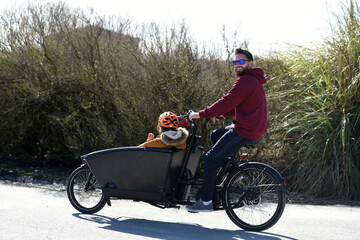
(226, 142)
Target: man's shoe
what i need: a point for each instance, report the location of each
(199, 206)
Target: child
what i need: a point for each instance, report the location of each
(169, 134)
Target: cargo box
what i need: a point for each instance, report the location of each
(139, 173)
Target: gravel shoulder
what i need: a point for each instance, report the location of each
(50, 178)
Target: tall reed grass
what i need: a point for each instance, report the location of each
(320, 119)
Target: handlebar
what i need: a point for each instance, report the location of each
(185, 121)
(191, 111)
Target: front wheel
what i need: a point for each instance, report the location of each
(253, 199)
(84, 191)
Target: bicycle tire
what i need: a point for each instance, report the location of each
(257, 206)
(90, 200)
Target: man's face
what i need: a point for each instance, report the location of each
(241, 68)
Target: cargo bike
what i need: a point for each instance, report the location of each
(251, 193)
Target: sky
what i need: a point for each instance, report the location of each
(267, 25)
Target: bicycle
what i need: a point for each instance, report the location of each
(252, 194)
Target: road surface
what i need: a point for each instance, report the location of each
(40, 213)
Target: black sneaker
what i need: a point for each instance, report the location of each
(199, 206)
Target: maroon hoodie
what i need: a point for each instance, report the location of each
(246, 102)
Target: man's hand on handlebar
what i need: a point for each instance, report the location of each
(193, 115)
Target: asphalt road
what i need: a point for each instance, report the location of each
(39, 213)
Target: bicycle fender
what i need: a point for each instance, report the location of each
(276, 173)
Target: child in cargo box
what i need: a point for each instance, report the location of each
(170, 135)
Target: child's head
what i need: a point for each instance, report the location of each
(167, 121)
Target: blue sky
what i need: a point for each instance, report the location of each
(265, 24)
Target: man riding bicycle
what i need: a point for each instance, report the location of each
(246, 103)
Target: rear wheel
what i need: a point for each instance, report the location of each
(84, 191)
(254, 201)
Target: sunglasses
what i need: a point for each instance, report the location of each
(241, 62)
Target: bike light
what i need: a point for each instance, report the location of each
(242, 157)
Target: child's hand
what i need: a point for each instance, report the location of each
(151, 136)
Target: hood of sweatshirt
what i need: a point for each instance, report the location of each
(258, 73)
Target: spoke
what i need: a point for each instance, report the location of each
(87, 196)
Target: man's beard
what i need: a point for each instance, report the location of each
(241, 72)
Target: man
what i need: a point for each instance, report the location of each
(246, 102)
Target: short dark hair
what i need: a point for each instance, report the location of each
(247, 54)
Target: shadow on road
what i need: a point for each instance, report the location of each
(166, 230)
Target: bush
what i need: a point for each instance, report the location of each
(73, 82)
